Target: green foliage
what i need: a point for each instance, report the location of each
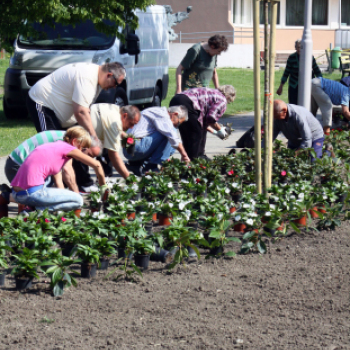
(127, 269)
(16, 19)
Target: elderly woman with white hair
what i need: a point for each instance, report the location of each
(205, 107)
(292, 72)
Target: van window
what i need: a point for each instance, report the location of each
(82, 36)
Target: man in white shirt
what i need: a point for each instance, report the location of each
(157, 138)
(110, 123)
(70, 91)
(63, 99)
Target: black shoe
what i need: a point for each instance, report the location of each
(204, 156)
(5, 188)
(135, 168)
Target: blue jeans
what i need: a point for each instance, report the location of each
(154, 149)
(317, 145)
(51, 198)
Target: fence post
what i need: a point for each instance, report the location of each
(233, 36)
(180, 36)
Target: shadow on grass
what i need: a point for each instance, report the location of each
(13, 123)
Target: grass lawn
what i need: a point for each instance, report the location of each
(13, 132)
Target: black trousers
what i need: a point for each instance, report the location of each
(193, 136)
(45, 119)
(293, 95)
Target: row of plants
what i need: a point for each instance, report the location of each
(196, 205)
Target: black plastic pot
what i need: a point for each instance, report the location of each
(23, 283)
(142, 261)
(2, 278)
(216, 251)
(191, 252)
(137, 196)
(104, 263)
(162, 255)
(236, 197)
(88, 270)
(193, 224)
(140, 208)
(175, 186)
(149, 227)
(67, 249)
(341, 198)
(121, 254)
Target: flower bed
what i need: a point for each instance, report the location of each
(219, 194)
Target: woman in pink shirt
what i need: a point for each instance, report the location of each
(29, 185)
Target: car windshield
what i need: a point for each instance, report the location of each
(81, 36)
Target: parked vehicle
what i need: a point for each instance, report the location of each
(145, 55)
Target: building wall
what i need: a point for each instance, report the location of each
(206, 16)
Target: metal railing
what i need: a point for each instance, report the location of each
(235, 33)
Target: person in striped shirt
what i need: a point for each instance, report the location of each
(205, 106)
(157, 138)
(292, 72)
(324, 94)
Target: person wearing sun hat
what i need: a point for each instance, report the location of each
(299, 126)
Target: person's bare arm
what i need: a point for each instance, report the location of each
(280, 89)
(82, 114)
(215, 79)
(58, 180)
(118, 163)
(178, 76)
(184, 156)
(345, 111)
(93, 163)
(69, 176)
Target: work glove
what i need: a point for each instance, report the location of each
(222, 134)
(104, 191)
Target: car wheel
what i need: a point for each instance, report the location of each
(157, 97)
(120, 97)
(15, 112)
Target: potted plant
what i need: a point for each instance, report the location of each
(218, 238)
(61, 277)
(25, 270)
(143, 247)
(105, 249)
(90, 259)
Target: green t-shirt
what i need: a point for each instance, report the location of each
(198, 68)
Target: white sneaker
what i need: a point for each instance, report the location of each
(88, 189)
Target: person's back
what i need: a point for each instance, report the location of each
(44, 161)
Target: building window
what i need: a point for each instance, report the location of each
(242, 11)
(295, 12)
(262, 13)
(345, 8)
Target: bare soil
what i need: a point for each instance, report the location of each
(294, 297)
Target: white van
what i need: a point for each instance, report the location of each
(145, 56)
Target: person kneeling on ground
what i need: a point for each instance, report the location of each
(29, 186)
(299, 126)
(157, 138)
(20, 154)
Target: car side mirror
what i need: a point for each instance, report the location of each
(133, 44)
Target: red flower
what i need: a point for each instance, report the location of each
(283, 173)
(339, 129)
(203, 167)
(25, 219)
(231, 172)
(63, 219)
(129, 140)
(38, 221)
(47, 220)
(198, 181)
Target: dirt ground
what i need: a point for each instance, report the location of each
(294, 297)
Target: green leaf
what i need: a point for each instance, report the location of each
(233, 239)
(261, 247)
(230, 254)
(249, 235)
(136, 269)
(294, 227)
(58, 289)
